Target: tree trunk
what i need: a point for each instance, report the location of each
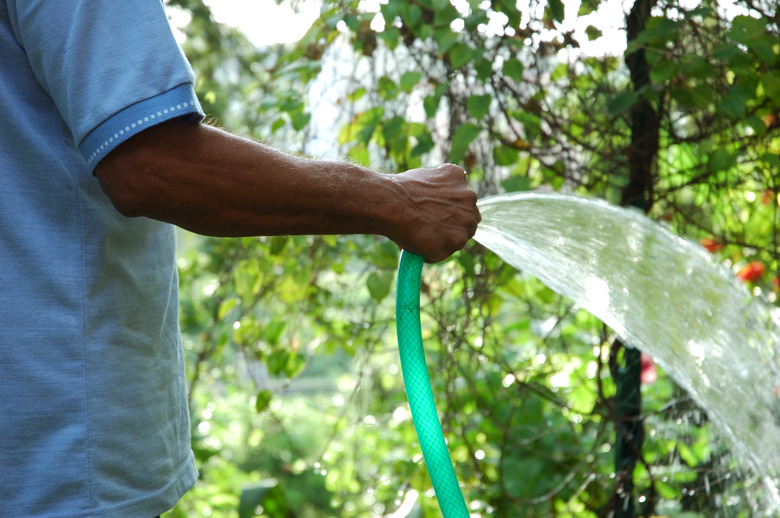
(639, 193)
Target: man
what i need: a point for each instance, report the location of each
(101, 149)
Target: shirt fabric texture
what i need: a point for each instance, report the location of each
(93, 410)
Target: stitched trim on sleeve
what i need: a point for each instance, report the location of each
(178, 102)
(149, 120)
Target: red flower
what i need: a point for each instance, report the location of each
(711, 244)
(649, 372)
(753, 271)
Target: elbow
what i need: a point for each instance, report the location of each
(143, 175)
(123, 180)
(125, 202)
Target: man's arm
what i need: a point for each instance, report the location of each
(214, 183)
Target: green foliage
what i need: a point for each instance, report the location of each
(290, 341)
(267, 498)
(463, 136)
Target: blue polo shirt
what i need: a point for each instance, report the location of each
(93, 410)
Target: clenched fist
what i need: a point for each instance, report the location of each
(439, 214)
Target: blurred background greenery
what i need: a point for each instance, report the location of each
(296, 396)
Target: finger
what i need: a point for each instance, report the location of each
(453, 166)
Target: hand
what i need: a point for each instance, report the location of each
(442, 213)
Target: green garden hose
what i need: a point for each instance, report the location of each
(418, 389)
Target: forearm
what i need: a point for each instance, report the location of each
(211, 182)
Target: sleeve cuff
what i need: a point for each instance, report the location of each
(178, 102)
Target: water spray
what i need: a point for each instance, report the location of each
(663, 294)
(418, 389)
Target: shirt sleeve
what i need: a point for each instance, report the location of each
(113, 68)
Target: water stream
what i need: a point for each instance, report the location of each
(662, 294)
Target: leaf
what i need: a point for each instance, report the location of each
(587, 7)
(741, 65)
(387, 88)
(771, 83)
(367, 122)
(701, 11)
(593, 33)
(445, 38)
(412, 14)
(763, 46)
(703, 96)
(431, 105)
(268, 496)
(622, 102)
(505, 155)
(745, 28)
(666, 491)
(662, 71)
(756, 124)
(696, 66)
(509, 8)
(683, 96)
(278, 243)
(663, 29)
(560, 71)
(484, 68)
(359, 154)
(210, 97)
(379, 284)
(384, 255)
(475, 19)
(415, 129)
(721, 160)
(431, 102)
(771, 159)
(424, 144)
(294, 365)
(556, 9)
(686, 454)
(513, 69)
(392, 127)
(460, 54)
(352, 21)
(516, 184)
(300, 120)
(478, 105)
(390, 10)
(276, 361)
(390, 35)
(277, 124)
(290, 105)
(464, 135)
(467, 261)
(734, 103)
(725, 50)
(273, 330)
(263, 400)
(357, 94)
(246, 278)
(226, 306)
(409, 80)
